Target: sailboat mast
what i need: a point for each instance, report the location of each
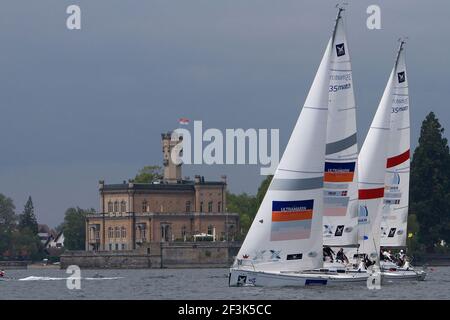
(340, 9)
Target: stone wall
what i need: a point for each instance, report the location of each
(14, 264)
(157, 255)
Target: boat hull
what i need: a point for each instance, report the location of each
(242, 277)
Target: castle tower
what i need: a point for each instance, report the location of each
(172, 171)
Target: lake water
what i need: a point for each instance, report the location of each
(199, 284)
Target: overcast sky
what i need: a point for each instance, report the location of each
(79, 106)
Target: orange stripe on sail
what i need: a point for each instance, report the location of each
(338, 176)
(278, 216)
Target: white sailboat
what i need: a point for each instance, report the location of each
(376, 154)
(394, 213)
(284, 243)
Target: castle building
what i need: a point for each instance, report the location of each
(171, 209)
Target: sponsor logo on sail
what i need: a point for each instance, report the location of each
(401, 77)
(339, 87)
(363, 215)
(336, 202)
(399, 109)
(339, 231)
(291, 220)
(392, 232)
(294, 256)
(340, 49)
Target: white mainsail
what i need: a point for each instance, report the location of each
(286, 232)
(395, 204)
(372, 171)
(340, 215)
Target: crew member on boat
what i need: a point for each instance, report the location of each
(2, 273)
(328, 253)
(340, 256)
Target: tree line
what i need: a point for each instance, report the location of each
(19, 239)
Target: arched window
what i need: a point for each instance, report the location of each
(123, 232)
(219, 206)
(110, 206)
(123, 206)
(210, 206)
(116, 206)
(210, 229)
(201, 206)
(144, 206)
(188, 206)
(117, 232)
(183, 231)
(110, 232)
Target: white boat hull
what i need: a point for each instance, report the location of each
(243, 277)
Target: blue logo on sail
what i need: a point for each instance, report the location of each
(363, 215)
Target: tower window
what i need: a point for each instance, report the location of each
(188, 206)
(210, 206)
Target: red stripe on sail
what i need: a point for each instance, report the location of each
(394, 161)
(366, 194)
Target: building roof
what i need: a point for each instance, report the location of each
(184, 185)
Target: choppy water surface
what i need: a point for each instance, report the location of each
(198, 284)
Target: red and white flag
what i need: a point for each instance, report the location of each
(183, 121)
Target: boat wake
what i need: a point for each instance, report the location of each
(34, 278)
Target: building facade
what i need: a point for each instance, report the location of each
(171, 209)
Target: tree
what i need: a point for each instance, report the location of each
(27, 220)
(245, 206)
(430, 184)
(7, 223)
(148, 174)
(263, 189)
(7, 216)
(74, 228)
(25, 244)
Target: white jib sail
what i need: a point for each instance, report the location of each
(286, 232)
(395, 204)
(372, 173)
(340, 215)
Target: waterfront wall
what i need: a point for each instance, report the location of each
(14, 264)
(157, 255)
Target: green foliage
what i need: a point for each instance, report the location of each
(430, 184)
(27, 220)
(263, 189)
(74, 227)
(26, 244)
(245, 206)
(18, 241)
(7, 216)
(148, 174)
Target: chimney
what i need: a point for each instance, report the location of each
(223, 178)
(197, 179)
